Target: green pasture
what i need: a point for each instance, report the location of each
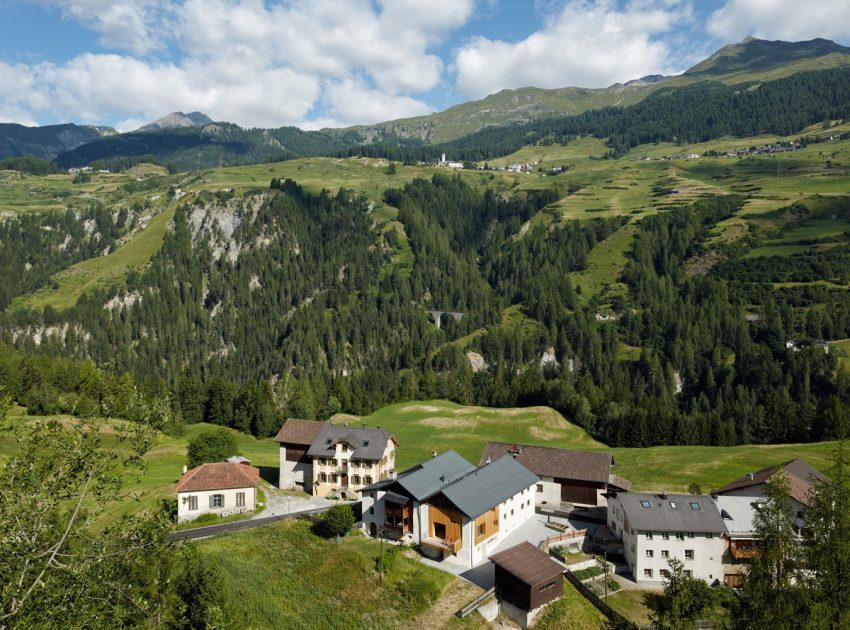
(285, 576)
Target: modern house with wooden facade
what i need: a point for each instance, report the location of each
(324, 459)
(526, 579)
(451, 508)
(576, 477)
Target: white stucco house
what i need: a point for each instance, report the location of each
(451, 508)
(656, 527)
(222, 488)
(323, 459)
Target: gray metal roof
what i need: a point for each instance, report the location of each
(661, 516)
(432, 475)
(426, 479)
(488, 486)
(741, 512)
(367, 444)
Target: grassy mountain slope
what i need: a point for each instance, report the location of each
(750, 60)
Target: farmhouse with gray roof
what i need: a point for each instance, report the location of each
(450, 507)
(656, 527)
(325, 459)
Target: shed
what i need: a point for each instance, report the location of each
(527, 577)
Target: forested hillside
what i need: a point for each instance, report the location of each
(291, 303)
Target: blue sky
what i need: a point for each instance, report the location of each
(316, 63)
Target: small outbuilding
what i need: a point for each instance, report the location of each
(526, 580)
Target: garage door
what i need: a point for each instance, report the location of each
(586, 495)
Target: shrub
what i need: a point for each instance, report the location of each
(338, 520)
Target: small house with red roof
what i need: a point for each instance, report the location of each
(222, 488)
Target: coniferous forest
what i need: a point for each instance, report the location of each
(290, 303)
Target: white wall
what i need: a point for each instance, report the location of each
(707, 563)
(295, 474)
(229, 507)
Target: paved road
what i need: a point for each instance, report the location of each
(235, 526)
(257, 521)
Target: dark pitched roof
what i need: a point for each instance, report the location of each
(367, 444)
(426, 479)
(618, 483)
(527, 563)
(801, 478)
(218, 476)
(295, 431)
(488, 486)
(555, 462)
(651, 512)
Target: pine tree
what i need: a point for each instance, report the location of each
(827, 547)
(773, 597)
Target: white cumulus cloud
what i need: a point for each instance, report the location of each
(790, 20)
(588, 43)
(252, 62)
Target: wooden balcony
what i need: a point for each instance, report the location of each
(451, 547)
(742, 553)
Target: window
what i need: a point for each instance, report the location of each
(546, 587)
(689, 573)
(372, 510)
(689, 554)
(216, 500)
(665, 553)
(680, 536)
(344, 448)
(644, 504)
(333, 478)
(193, 503)
(673, 505)
(481, 529)
(664, 573)
(539, 487)
(647, 573)
(355, 480)
(694, 505)
(665, 536)
(709, 535)
(240, 499)
(648, 535)
(690, 534)
(512, 512)
(368, 480)
(649, 553)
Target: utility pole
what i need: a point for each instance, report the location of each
(381, 564)
(605, 567)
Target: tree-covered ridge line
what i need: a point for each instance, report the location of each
(695, 112)
(296, 304)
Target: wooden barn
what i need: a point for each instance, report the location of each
(527, 577)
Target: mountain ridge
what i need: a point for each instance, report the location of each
(177, 120)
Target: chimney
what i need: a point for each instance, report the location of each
(487, 462)
(749, 476)
(185, 469)
(664, 495)
(433, 453)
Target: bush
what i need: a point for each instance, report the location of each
(210, 446)
(338, 520)
(589, 572)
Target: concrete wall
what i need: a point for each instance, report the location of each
(185, 514)
(295, 474)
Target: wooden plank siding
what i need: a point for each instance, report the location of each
(451, 520)
(576, 491)
(486, 525)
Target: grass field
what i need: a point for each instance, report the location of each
(422, 427)
(571, 612)
(284, 576)
(439, 425)
(631, 604)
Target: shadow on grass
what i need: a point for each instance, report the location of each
(270, 474)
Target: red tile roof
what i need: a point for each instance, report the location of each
(801, 479)
(527, 563)
(218, 476)
(302, 432)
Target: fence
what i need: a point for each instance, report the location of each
(475, 603)
(571, 535)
